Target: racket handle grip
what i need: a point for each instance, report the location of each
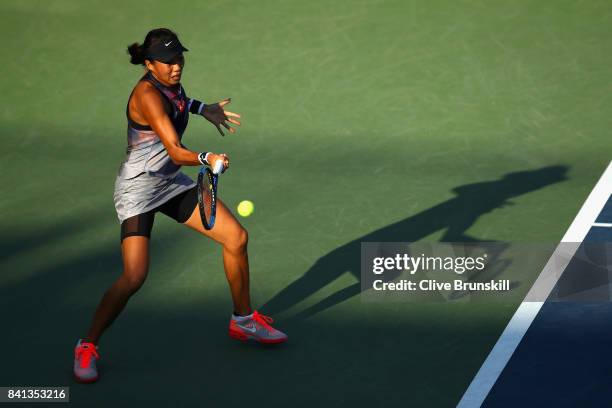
(218, 167)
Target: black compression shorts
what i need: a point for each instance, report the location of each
(179, 208)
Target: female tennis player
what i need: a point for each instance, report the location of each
(150, 181)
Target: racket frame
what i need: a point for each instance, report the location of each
(206, 172)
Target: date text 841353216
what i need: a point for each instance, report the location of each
(34, 394)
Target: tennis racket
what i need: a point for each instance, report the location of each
(207, 193)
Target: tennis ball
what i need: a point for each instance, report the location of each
(245, 208)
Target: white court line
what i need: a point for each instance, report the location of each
(525, 314)
(602, 224)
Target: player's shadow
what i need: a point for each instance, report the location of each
(454, 216)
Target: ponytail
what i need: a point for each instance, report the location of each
(136, 52)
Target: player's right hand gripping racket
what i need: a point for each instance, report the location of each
(207, 193)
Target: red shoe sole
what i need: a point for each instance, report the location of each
(238, 335)
(243, 337)
(88, 381)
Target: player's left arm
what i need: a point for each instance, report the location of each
(215, 113)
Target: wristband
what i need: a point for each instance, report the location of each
(203, 158)
(201, 108)
(196, 106)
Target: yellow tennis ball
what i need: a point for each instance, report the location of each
(245, 208)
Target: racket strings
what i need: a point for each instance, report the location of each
(207, 197)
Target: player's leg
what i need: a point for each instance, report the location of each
(234, 239)
(135, 233)
(245, 324)
(135, 253)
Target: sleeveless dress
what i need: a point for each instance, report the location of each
(147, 177)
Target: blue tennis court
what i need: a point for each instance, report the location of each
(560, 357)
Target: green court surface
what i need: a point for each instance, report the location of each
(362, 121)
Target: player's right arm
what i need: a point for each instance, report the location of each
(150, 109)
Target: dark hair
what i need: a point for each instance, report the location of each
(137, 51)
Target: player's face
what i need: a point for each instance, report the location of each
(168, 74)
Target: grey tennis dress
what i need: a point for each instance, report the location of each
(147, 177)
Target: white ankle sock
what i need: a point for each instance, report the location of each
(241, 319)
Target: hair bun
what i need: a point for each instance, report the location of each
(136, 52)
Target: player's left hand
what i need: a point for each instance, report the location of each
(218, 116)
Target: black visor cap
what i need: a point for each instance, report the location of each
(166, 50)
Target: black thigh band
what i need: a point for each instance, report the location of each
(178, 208)
(138, 225)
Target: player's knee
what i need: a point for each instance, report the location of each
(242, 239)
(238, 241)
(133, 281)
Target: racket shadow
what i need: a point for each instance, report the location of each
(454, 216)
